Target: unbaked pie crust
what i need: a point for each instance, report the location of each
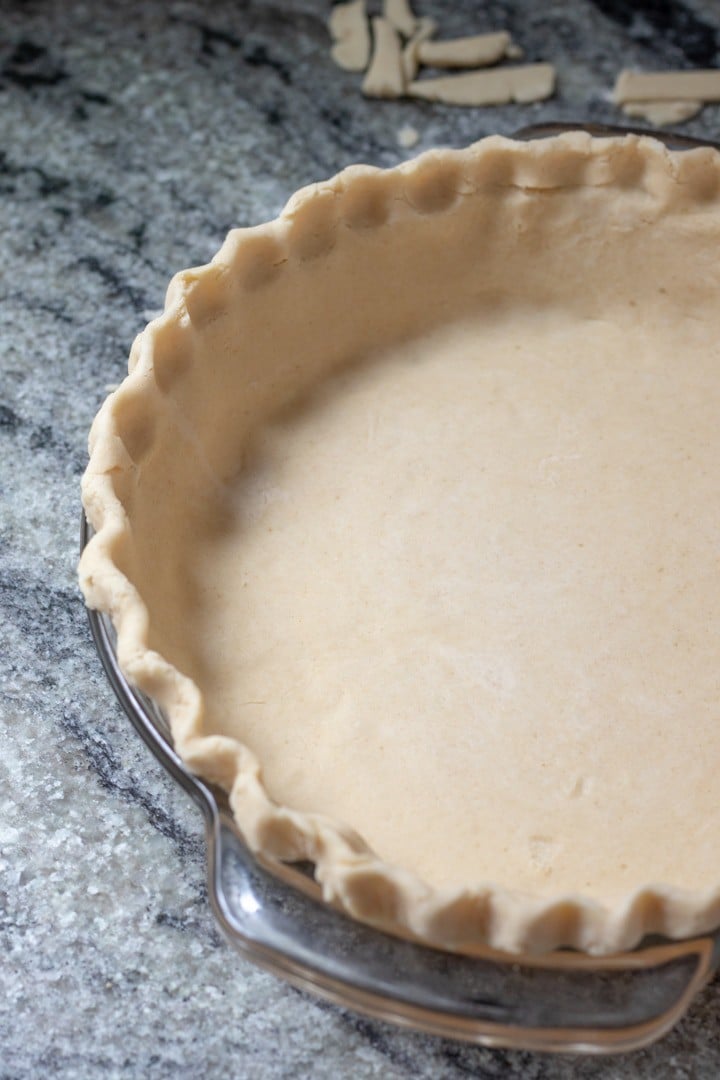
(408, 517)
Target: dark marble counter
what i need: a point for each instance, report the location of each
(132, 137)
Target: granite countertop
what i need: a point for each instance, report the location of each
(132, 137)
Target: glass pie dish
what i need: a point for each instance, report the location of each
(273, 912)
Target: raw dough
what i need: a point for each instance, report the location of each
(407, 517)
(477, 578)
(424, 29)
(399, 13)
(408, 136)
(384, 77)
(529, 82)
(667, 86)
(477, 51)
(349, 29)
(663, 112)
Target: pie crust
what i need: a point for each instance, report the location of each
(407, 515)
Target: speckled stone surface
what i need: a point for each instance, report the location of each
(132, 136)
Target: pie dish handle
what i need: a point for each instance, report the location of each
(565, 1002)
(273, 914)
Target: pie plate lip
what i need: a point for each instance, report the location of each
(274, 915)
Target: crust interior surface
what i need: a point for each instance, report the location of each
(434, 456)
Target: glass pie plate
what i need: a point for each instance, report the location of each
(273, 914)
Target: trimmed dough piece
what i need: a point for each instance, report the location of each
(633, 86)
(529, 82)
(385, 75)
(424, 29)
(348, 27)
(476, 51)
(407, 136)
(663, 112)
(399, 14)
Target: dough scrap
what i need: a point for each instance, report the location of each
(424, 30)
(400, 15)
(667, 86)
(529, 82)
(480, 50)
(663, 112)
(407, 136)
(348, 27)
(384, 77)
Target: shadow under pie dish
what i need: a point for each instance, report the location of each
(406, 516)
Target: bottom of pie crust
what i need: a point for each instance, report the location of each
(464, 598)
